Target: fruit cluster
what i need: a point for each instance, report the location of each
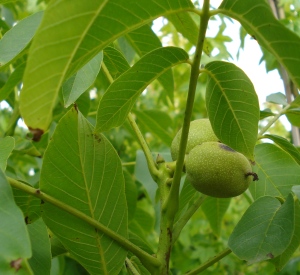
(212, 167)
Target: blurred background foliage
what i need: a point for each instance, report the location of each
(159, 118)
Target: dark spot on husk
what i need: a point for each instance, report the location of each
(37, 133)
(16, 264)
(38, 191)
(225, 147)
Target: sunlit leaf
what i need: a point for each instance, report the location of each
(214, 210)
(232, 106)
(259, 21)
(84, 171)
(16, 39)
(40, 261)
(265, 230)
(122, 94)
(7, 144)
(15, 246)
(277, 171)
(71, 34)
(77, 84)
(266, 113)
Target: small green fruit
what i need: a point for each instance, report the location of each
(218, 171)
(200, 131)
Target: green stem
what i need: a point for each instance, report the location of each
(147, 260)
(179, 225)
(272, 121)
(173, 200)
(131, 267)
(169, 195)
(150, 161)
(210, 262)
(128, 163)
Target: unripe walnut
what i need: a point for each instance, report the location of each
(200, 131)
(218, 171)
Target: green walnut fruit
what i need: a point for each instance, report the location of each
(200, 131)
(218, 171)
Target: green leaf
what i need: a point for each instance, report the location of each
(115, 62)
(265, 230)
(258, 19)
(282, 260)
(293, 113)
(15, 246)
(265, 113)
(122, 94)
(77, 84)
(30, 206)
(214, 210)
(17, 38)
(57, 247)
(40, 261)
(12, 81)
(25, 146)
(277, 171)
(131, 194)
(83, 170)
(140, 242)
(232, 106)
(7, 144)
(277, 98)
(158, 123)
(296, 190)
(144, 40)
(186, 197)
(285, 145)
(70, 35)
(184, 23)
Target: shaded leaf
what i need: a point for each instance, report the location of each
(277, 98)
(282, 260)
(122, 94)
(285, 145)
(30, 205)
(214, 210)
(17, 38)
(15, 246)
(25, 146)
(277, 171)
(77, 84)
(141, 242)
(115, 62)
(131, 194)
(158, 123)
(57, 247)
(40, 261)
(138, 265)
(232, 106)
(259, 21)
(12, 81)
(293, 113)
(7, 144)
(265, 230)
(266, 113)
(71, 34)
(84, 171)
(144, 40)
